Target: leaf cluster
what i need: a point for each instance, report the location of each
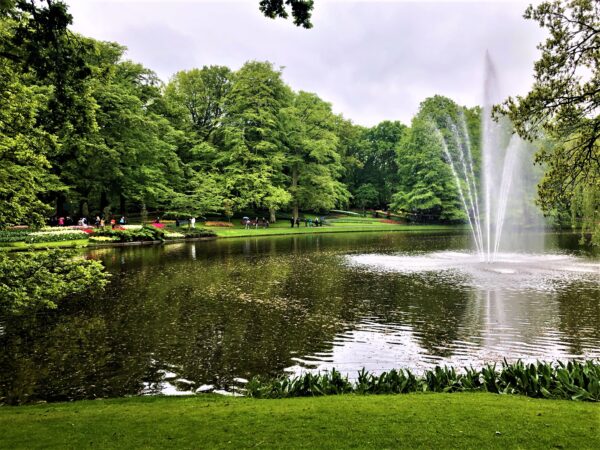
(43, 279)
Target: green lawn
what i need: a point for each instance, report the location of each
(468, 420)
(337, 227)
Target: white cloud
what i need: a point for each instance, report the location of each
(373, 60)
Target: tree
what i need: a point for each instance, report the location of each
(312, 159)
(564, 101)
(204, 194)
(378, 161)
(301, 10)
(427, 187)
(39, 280)
(366, 196)
(195, 99)
(24, 147)
(24, 167)
(251, 156)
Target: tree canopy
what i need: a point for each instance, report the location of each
(563, 103)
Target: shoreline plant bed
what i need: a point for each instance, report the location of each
(566, 381)
(467, 420)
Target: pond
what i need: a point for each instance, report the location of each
(193, 316)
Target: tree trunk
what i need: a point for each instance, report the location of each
(272, 218)
(103, 201)
(294, 189)
(60, 205)
(122, 204)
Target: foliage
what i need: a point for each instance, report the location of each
(148, 233)
(366, 196)
(585, 211)
(374, 151)
(252, 157)
(197, 233)
(564, 100)
(427, 188)
(13, 235)
(312, 158)
(301, 10)
(24, 167)
(572, 381)
(43, 279)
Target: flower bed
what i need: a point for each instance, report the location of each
(105, 239)
(56, 235)
(218, 224)
(174, 235)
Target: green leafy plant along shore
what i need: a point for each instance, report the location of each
(571, 380)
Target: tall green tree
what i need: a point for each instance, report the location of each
(252, 155)
(428, 190)
(378, 162)
(195, 99)
(312, 160)
(25, 176)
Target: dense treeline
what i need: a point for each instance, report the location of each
(86, 132)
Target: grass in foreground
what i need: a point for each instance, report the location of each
(401, 421)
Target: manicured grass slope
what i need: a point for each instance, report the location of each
(335, 228)
(475, 420)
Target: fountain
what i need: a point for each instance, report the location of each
(508, 178)
(507, 227)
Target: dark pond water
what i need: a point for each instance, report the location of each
(178, 317)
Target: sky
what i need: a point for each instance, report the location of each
(372, 60)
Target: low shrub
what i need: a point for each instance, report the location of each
(134, 235)
(198, 232)
(571, 381)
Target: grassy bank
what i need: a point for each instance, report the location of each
(237, 230)
(401, 421)
(351, 227)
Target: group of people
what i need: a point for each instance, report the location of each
(308, 222)
(99, 222)
(67, 221)
(262, 223)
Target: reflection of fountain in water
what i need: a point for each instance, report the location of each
(512, 311)
(509, 179)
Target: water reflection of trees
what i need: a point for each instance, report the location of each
(246, 307)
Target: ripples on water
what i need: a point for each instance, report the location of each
(199, 316)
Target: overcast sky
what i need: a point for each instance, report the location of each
(373, 60)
